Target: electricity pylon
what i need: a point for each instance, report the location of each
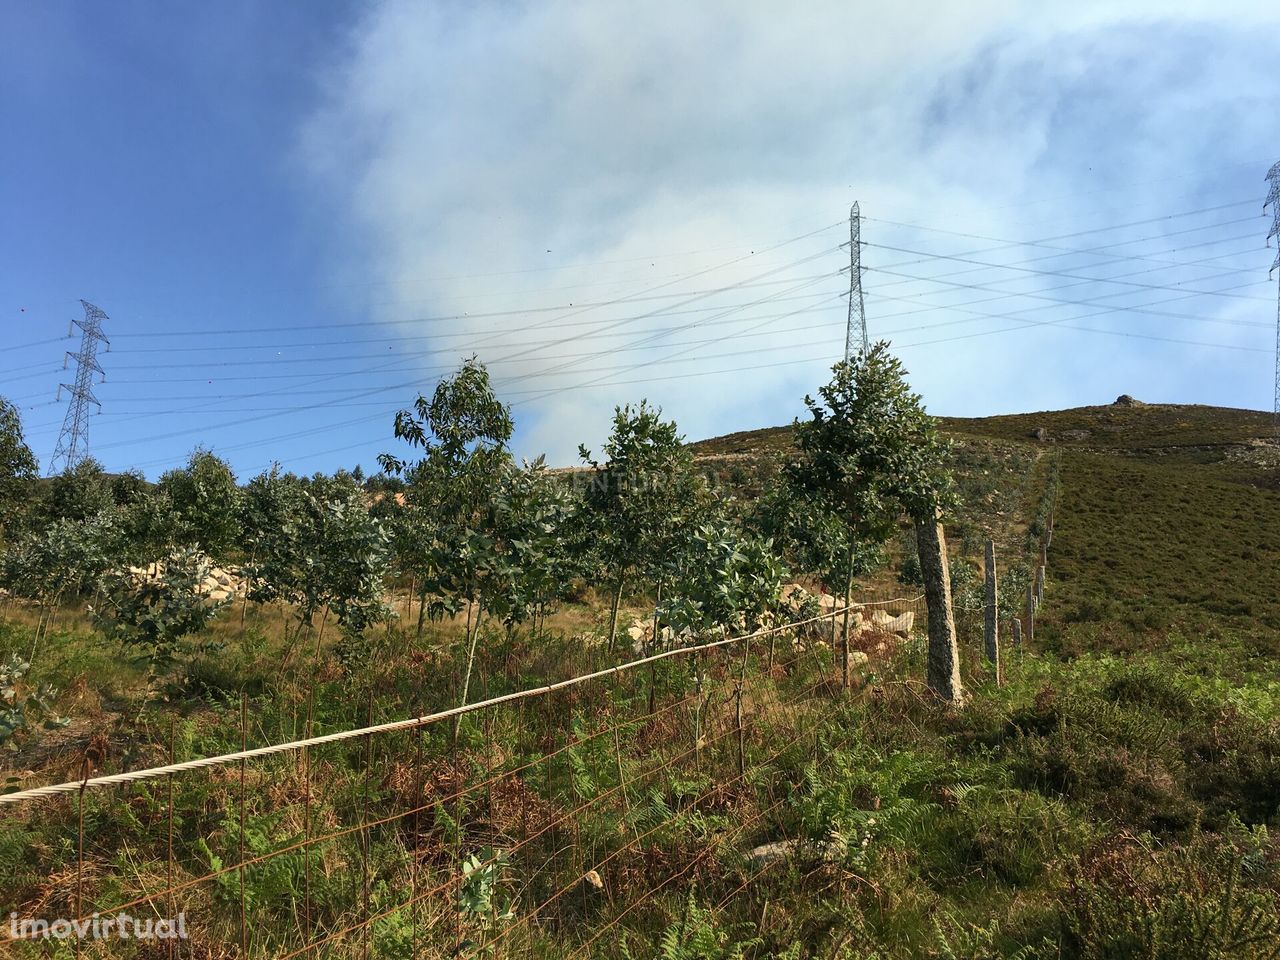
(1273, 201)
(73, 441)
(857, 324)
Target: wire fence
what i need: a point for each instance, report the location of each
(541, 822)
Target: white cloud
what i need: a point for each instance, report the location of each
(603, 138)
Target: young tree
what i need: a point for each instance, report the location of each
(870, 453)
(724, 580)
(206, 498)
(80, 493)
(314, 544)
(642, 499)
(156, 614)
(64, 558)
(531, 514)
(17, 470)
(129, 487)
(448, 536)
(149, 527)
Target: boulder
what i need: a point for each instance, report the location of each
(640, 633)
(884, 622)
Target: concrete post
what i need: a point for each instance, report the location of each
(1029, 632)
(1040, 585)
(943, 672)
(991, 646)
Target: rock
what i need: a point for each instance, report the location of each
(1040, 433)
(793, 594)
(768, 854)
(1124, 400)
(885, 622)
(640, 636)
(857, 658)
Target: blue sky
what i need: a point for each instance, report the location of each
(298, 215)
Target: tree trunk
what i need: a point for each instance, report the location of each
(848, 597)
(653, 667)
(422, 609)
(613, 612)
(320, 636)
(991, 646)
(943, 672)
(473, 634)
(40, 625)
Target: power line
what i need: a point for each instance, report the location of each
(579, 308)
(1123, 226)
(650, 338)
(398, 363)
(338, 401)
(1141, 308)
(610, 328)
(1095, 251)
(456, 334)
(1055, 300)
(943, 278)
(37, 343)
(1052, 273)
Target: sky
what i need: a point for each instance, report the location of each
(298, 216)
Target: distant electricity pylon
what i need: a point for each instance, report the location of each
(73, 441)
(857, 309)
(1273, 201)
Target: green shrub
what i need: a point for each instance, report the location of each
(1131, 901)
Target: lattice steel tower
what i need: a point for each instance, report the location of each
(857, 325)
(73, 440)
(1273, 201)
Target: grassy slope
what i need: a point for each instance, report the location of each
(1092, 801)
(1144, 743)
(1169, 517)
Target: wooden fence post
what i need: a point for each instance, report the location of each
(943, 670)
(1017, 635)
(991, 646)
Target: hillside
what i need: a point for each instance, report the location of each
(1111, 794)
(1169, 516)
